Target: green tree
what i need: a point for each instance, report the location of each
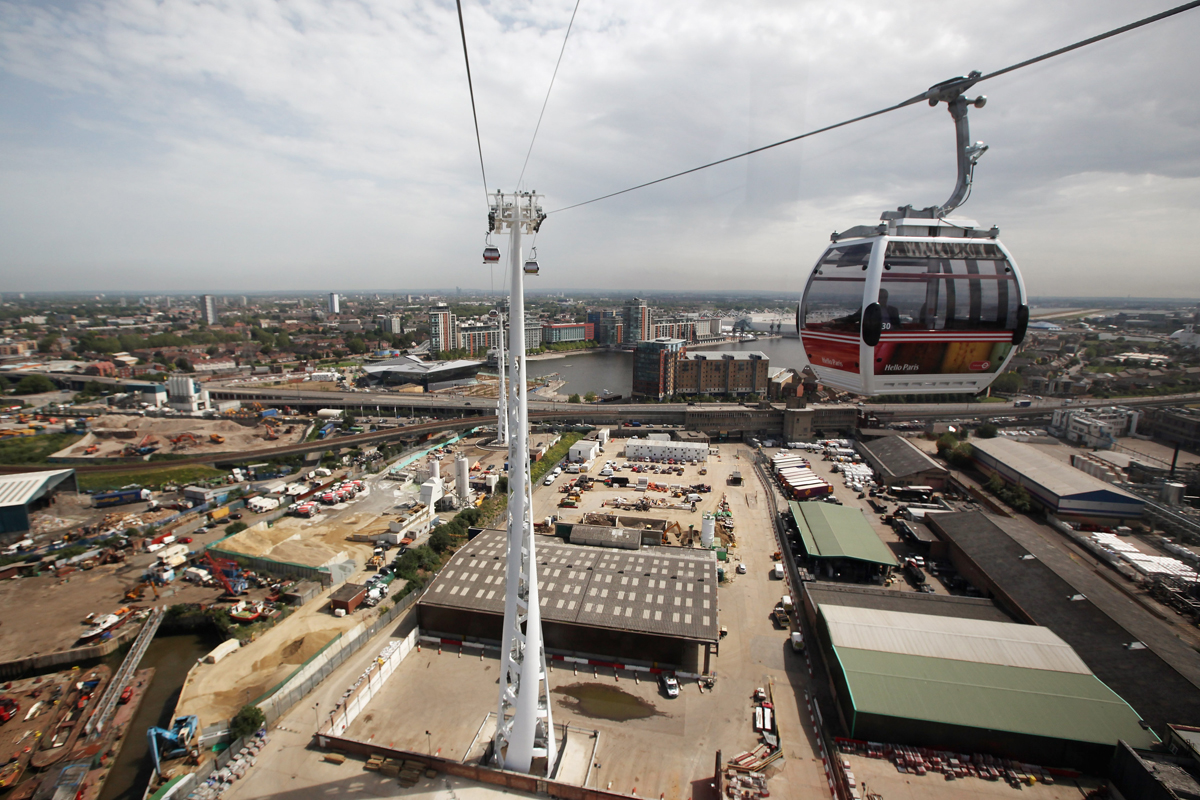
(573, 399)
(185, 365)
(46, 343)
(34, 384)
(356, 345)
(961, 456)
(247, 721)
(1008, 382)
(987, 430)
(440, 540)
(946, 443)
(590, 397)
(3, 384)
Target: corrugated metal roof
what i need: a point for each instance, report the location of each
(654, 590)
(602, 536)
(1060, 705)
(1046, 471)
(832, 531)
(899, 458)
(24, 487)
(1002, 643)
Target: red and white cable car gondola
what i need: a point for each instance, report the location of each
(921, 303)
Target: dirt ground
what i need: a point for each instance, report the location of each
(111, 433)
(319, 540)
(215, 692)
(46, 614)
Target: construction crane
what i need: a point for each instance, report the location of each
(228, 573)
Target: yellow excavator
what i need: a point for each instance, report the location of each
(137, 591)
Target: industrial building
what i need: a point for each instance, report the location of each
(1177, 426)
(986, 555)
(583, 451)
(664, 448)
(644, 605)
(429, 374)
(1097, 427)
(1057, 486)
(836, 541)
(1011, 690)
(899, 462)
(186, 395)
(25, 492)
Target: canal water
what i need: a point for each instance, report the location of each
(171, 657)
(595, 371)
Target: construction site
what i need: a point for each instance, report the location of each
(131, 435)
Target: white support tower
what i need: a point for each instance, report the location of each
(524, 727)
(502, 389)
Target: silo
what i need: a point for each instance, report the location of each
(462, 479)
(708, 529)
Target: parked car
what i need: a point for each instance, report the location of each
(669, 684)
(236, 516)
(741, 569)
(186, 540)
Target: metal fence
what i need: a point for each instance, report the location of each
(309, 675)
(283, 569)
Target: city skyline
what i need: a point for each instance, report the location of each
(178, 147)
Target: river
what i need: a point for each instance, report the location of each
(172, 657)
(597, 370)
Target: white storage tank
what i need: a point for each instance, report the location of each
(708, 529)
(462, 479)
(1172, 493)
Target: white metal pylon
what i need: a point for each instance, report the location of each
(502, 391)
(524, 726)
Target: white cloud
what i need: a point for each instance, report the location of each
(214, 145)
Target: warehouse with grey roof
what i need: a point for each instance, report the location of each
(899, 462)
(642, 605)
(25, 492)
(1054, 484)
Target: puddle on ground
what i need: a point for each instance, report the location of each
(602, 701)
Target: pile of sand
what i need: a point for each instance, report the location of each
(296, 542)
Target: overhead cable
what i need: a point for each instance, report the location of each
(912, 100)
(470, 86)
(548, 89)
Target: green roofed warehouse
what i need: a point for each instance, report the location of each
(834, 541)
(971, 685)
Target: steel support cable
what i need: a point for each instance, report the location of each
(462, 29)
(912, 100)
(549, 88)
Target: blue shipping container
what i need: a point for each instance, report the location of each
(117, 498)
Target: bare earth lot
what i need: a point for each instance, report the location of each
(112, 432)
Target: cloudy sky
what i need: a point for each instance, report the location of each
(247, 145)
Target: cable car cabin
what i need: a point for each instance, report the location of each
(913, 306)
